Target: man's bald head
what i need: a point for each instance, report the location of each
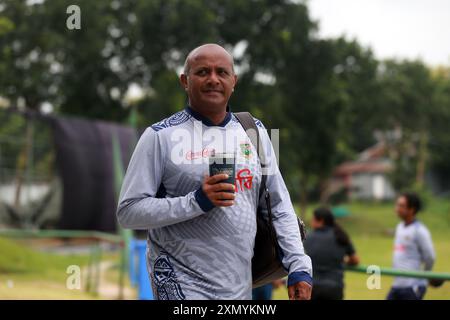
(206, 49)
(209, 80)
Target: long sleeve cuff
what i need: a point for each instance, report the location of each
(299, 276)
(203, 201)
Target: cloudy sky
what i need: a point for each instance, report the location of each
(393, 28)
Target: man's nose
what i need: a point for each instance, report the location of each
(213, 78)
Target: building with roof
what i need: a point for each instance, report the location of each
(365, 178)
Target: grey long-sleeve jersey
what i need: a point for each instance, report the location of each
(413, 250)
(196, 250)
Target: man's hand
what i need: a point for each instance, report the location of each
(300, 291)
(217, 192)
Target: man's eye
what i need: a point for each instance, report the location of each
(201, 72)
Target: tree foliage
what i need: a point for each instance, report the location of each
(327, 96)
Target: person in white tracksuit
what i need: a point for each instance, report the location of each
(201, 239)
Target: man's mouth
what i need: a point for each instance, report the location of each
(212, 91)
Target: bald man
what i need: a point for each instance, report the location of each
(201, 230)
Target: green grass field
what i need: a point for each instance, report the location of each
(28, 274)
(371, 227)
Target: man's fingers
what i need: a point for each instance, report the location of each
(291, 292)
(222, 187)
(223, 203)
(216, 178)
(304, 291)
(224, 196)
(218, 192)
(302, 294)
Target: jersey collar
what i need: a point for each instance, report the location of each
(205, 120)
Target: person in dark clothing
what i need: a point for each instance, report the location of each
(330, 248)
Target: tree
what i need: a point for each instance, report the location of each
(327, 96)
(408, 93)
(439, 138)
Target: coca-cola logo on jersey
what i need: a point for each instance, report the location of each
(205, 153)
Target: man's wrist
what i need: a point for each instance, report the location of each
(203, 201)
(299, 276)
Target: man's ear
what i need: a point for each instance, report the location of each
(183, 81)
(235, 82)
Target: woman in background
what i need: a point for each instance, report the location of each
(330, 248)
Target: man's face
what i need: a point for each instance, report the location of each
(402, 209)
(210, 80)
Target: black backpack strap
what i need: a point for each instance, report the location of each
(248, 123)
